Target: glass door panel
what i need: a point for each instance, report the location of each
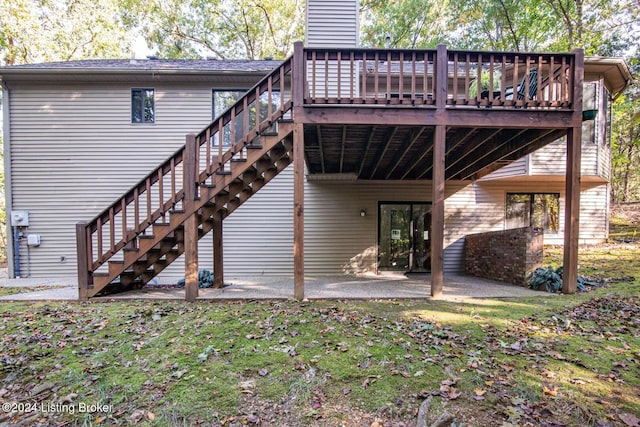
(421, 222)
(394, 236)
(404, 237)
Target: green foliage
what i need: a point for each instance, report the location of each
(601, 27)
(56, 30)
(551, 279)
(504, 25)
(484, 83)
(548, 277)
(414, 24)
(625, 149)
(223, 28)
(205, 279)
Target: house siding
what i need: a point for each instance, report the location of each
(332, 23)
(480, 208)
(74, 151)
(259, 235)
(518, 168)
(337, 238)
(551, 160)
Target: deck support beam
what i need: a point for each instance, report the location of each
(218, 258)
(437, 201)
(572, 211)
(298, 212)
(298, 79)
(572, 183)
(82, 245)
(437, 212)
(190, 170)
(191, 258)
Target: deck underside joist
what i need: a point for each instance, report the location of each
(400, 152)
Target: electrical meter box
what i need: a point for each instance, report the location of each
(20, 218)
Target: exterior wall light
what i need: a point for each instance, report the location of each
(363, 212)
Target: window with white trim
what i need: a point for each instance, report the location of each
(142, 105)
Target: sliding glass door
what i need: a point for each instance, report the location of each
(403, 237)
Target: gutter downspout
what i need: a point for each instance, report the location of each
(8, 191)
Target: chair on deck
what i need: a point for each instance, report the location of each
(522, 87)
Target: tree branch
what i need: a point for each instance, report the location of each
(510, 25)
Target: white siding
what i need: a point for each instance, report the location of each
(474, 209)
(258, 236)
(551, 159)
(481, 207)
(259, 239)
(332, 23)
(74, 151)
(337, 238)
(518, 168)
(594, 214)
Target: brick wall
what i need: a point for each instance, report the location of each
(505, 256)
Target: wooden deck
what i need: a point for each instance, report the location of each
(440, 115)
(371, 114)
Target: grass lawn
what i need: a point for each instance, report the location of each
(548, 360)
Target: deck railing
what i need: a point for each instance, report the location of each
(161, 191)
(255, 113)
(540, 80)
(409, 78)
(370, 76)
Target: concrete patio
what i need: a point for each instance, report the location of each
(385, 286)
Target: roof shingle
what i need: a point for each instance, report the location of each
(155, 64)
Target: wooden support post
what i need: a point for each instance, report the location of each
(437, 200)
(437, 212)
(82, 243)
(298, 211)
(572, 183)
(298, 78)
(190, 170)
(191, 257)
(218, 259)
(572, 211)
(441, 72)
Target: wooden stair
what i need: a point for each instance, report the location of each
(152, 253)
(143, 232)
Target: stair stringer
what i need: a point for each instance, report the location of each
(165, 243)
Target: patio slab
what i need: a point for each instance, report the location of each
(386, 286)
